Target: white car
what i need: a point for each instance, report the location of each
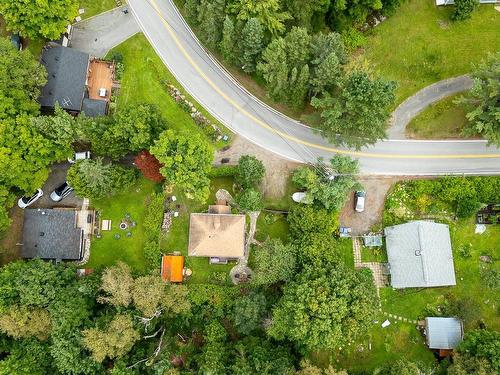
(61, 192)
(360, 201)
(24, 201)
(79, 156)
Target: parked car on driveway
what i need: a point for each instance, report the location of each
(61, 192)
(24, 201)
(79, 156)
(359, 199)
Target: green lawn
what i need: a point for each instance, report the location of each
(373, 254)
(419, 45)
(178, 237)
(273, 226)
(144, 81)
(94, 7)
(444, 119)
(107, 250)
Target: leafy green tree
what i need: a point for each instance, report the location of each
(482, 344)
(5, 201)
(228, 43)
(61, 128)
(307, 368)
(117, 283)
(299, 86)
(266, 11)
(305, 220)
(328, 187)
(463, 9)
(306, 13)
(21, 322)
(249, 312)
(25, 155)
(46, 19)
(352, 11)
(250, 171)
(114, 341)
(403, 367)
(325, 308)
(250, 200)
(252, 38)
(191, 10)
(132, 129)
(21, 77)
(93, 179)
(484, 115)
(327, 74)
(28, 357)
(464, 364)
(356, 116)
(186, 162)
(147, 294)
(273, 262)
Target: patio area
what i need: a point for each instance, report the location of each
(100, 79)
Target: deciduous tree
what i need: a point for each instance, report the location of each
(117, 283)
(113, 341)
(268, 12)
(46, 19)
(248, 312)
(21, 322)
(325, 307)
(357, 114)
(149, 166)
(21, 77)
(186, 162)
(273, 262)
(250, 200)
(228, 43)
(250, 171)
(147, 294)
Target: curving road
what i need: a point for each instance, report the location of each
(231, 104)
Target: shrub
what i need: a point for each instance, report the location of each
(250, 200)
(116, 57)
(465, 250)
(154, 216)
(464, 9)
(250, 171)
(152, 253)
(223, 171)
(491, 277)
(353, 38)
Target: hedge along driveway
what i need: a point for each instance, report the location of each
(420, 45)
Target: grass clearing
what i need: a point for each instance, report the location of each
(94, 7)
(107, 250)
(420, 45)
(444, 119)
(271, 225)
(144, 81)
(373, 254)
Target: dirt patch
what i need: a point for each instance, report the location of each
(376, 190)
(9, 248)
(278, 169)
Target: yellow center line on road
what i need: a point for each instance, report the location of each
(290, 137)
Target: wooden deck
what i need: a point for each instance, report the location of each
(101, 75)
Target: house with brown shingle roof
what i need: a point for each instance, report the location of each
(214, 235)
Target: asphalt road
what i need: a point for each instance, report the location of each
(226, 100)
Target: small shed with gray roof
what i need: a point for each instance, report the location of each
(52, 234)
(443, 333)
(420, 255)
(67, 70)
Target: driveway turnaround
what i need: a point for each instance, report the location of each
(97, 35)
(425, 97)
(225, 99)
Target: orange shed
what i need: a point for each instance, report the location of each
(172, 267)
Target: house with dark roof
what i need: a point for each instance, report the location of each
(443, 334)
(67, 82)
(54, 234)
(420, 255)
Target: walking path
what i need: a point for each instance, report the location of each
(412, 106)
(97, 35)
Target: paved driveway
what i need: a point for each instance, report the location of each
(97, 35)
(57, 177)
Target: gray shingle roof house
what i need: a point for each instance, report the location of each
(67, 71)
(443, 333)
(52, 234)
(420, 255)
